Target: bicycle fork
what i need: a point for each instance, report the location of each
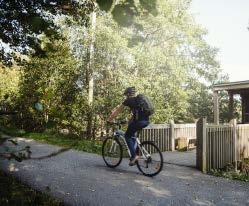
(144, 153)
(114, 145)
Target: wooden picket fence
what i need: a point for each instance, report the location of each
(242, 141)
(164, 135)
(221, 145)
(217, 145)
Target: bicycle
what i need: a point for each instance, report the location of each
(150, 161)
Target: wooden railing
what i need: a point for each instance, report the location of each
(160, 134)
(217, 145)
(164, 135)
(220, 145)
(185, 130)
(242, 141)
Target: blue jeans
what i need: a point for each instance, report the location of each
(130, 137)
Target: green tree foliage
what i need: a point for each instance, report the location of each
(21, 21)
(9, 87)
(52, 82)
(172, 59)
(110, 62)
(160, 50)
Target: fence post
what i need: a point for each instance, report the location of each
(172, 135)
(204, 146)
(198, 143)
(201, 154)
(235, 142)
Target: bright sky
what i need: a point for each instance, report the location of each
(227, 22)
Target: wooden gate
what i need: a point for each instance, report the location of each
(221, 145)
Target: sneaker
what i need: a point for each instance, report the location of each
(134, 161)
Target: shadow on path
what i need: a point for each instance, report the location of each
(51, 155)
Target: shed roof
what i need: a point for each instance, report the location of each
(232, 86)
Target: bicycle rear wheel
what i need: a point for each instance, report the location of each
(150, 162)
(112, 152)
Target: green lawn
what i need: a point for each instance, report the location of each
(57, 139)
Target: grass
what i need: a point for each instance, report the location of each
(12, 131)
(13, 193)
(230, 173)
(57, 139)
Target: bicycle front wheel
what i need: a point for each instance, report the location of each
(150, 162)
(112, 152)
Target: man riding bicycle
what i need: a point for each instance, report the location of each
(139, 120)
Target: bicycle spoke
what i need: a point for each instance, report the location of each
(151, 163)
(112, 152)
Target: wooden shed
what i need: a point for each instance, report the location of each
(241, 88)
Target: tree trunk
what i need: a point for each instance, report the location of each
(90, 78)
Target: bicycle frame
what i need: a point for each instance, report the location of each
(144, 152)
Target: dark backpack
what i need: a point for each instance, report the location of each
(144, 105)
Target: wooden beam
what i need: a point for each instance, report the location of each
(243, 107)
(246, 108)
(231, 86)
(172, 135)
(231, 106)
(216, 107)
(235, 143)
(201, 149)
(204, 146)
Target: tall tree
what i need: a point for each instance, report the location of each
(51, 81)
(162, 60)
(22, 21)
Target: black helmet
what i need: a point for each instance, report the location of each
(130, 91)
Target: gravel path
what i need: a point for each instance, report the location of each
(187, 158)
(82, 179)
